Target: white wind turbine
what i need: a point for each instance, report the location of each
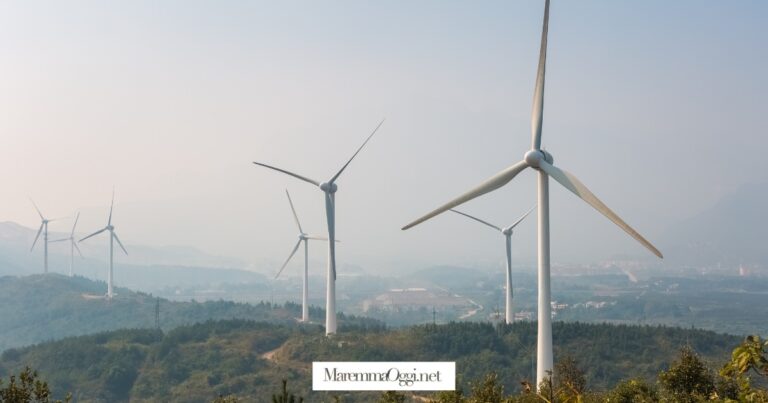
(541, 161)
(44, 230)
(72, 245)
(112, 237)
(507, 232)
(303, 237)
(329, 188)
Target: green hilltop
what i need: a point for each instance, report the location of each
(248, 359)
(40, 308)
(112, 351)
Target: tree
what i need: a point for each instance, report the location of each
(748, 357)
(688, 379)
(226, 399)
(27, 388)
(392, 397)
(285, 397)
(546, 390)
(449, 396)
(488, 391)
(569, 378)
(633, 391)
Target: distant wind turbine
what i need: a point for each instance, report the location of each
(329, 188)
(303, 237)
(72, 245)
(541, 161)
(507, 232)
(112, 237)
(44, 230)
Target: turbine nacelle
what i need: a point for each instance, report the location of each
(507, 231)
(329, 187)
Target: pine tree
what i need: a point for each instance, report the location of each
(285, 397)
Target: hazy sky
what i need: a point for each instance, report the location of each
(658, 106)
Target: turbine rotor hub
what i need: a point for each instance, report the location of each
(507, 231)
(534, 157)
(328, 187)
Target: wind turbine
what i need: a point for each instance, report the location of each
(72, 245)
(329, 188)
(44, 230)
(507, 232)
(112, 237)
(541, 161)
(303, 237)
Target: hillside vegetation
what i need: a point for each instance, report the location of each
(48, 307)
(249, 359)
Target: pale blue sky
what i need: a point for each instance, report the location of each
(658, 106)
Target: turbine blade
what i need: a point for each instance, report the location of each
(119, 243)
(320, 238)
(537, 115)
(476, 219)
(95, 233)
(38, 210)
(58, 240)
(519, 220)
(78, 249)
(77, 217)
(109, 222)
(571, 183)
(37, 237)
(297, 176)
(293, 252)
(491, 184)
(295, 216)
(356, 152)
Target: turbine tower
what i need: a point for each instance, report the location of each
(329, 188)
(72, 245)
(44, 230)
(541, 161)
(507, 232)
(303, 237)
(112, 237)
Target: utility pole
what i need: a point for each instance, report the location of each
(157, 313)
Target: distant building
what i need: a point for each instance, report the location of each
(400, 299)
(744, 272)
(594, 304)
(557, 306)
(523, 315)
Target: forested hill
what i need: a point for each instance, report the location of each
(49, 307)
(248, 359)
